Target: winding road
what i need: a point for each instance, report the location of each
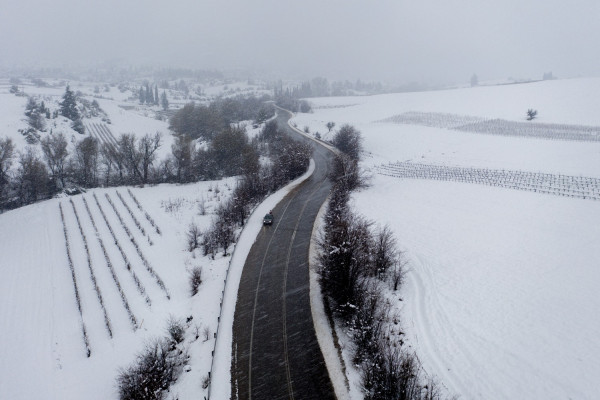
(275, 351)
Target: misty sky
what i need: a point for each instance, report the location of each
(429, 41)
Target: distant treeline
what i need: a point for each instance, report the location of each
(321, 87)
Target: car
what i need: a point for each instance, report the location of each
(268, 219)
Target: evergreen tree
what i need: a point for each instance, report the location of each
(149, 96)
(36, 120)
(163, 101)
(30, 107)
(156, 99)
(474, 80)
(68, 107)
(78, 127)
(142, 95)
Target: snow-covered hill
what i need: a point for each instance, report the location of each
(500, 299)
(120, 103)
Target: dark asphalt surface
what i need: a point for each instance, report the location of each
(275, 350)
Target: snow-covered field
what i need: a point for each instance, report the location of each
(43, 353)
(500, 300)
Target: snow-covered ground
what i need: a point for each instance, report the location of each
(42, 339)
(500, 299)
(43, 353)
(498, 304)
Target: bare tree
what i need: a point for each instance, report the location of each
(86, 162)
(531, 114)
(54, 148)
(7, 149)
(107, 157)
(32, 177)
(130, 155)
(346, 173)
(330, 125)
(385, 253)
(147, 148)
(193, 235)
(182, 150)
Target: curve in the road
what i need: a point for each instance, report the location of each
(276, 353)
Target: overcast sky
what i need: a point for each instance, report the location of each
(429, 41)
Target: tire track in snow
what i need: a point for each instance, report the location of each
(428, 316)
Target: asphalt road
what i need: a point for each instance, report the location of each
(275, 350)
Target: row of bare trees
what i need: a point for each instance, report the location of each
(357, 265)
(86, 163)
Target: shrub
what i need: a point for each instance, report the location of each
(155, 369)
(193, 236)
(205, 381)
(176, 329)
(195, 279)
(349, 140)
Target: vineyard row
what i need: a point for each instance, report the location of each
(86, 340)
(498, 126)
(561, 185)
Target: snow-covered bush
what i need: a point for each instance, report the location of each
(193, 236)
(349, 140)
(156, 368)
(176, 329)
(195, 279)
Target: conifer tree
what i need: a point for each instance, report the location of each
(78, 126)
(68, 107)
(156, 95)
(163, 101)
(149, 96)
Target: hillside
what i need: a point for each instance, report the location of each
(43, 341)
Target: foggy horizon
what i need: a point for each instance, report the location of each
(433, 42)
